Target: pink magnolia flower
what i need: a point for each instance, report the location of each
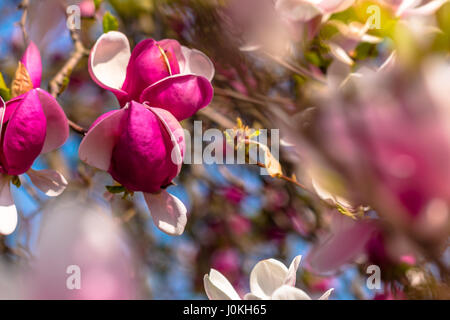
(31, 124)
(269, 280)
(142, 148)
(163, 73)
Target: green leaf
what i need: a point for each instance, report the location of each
(5, 92)
(109, 22)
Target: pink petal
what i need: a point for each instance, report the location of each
(181, 95)
(141, 159)
(196, 63)
(108, 63)
(24, 135)
(340, 248)
(97, 146)
(32, 62)
(50, 182)
(57, 124)
(8, 212)
(168, 212)
(148, 65)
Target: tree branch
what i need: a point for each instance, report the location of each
(57, 84)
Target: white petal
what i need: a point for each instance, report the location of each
(340, 53)
(50, 182)
(97, 146)
(297, 10)
(292, 272)
(197, 63)
(290, 293)
(267, 276)
(326, 295)
(109, 59)
(8, 212)
(168, 212)
(251, 296)
(217, 287)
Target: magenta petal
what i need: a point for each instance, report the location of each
(147, 65)
(57, 124)
(141, 159)
(11, 105)
(97, 146)
(32, 62)
(181, 95)
(176, 133)
(24, 135)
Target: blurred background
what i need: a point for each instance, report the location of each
(364, 120)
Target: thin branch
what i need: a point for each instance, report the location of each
(58, 82)
(23, 20)
(283, 177)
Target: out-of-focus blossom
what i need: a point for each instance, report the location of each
(87, 8)
(346, 240)
(32, 123)
(306, 10)
(239, 225)
(269, 279)
(226, 261)
(91, 251)
(161, 73)
(382, 141)
(407, 8)
(348, 38)
(234, 194)
(142, 148)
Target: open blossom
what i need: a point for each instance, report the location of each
(32, 123)
(162, 73)
(142, 148)
(269, 279)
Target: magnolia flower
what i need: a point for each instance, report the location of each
(269, 279)
(31, 123)
(142, 148)
(161, 73)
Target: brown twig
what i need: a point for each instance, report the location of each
(56, 85)
(283, 177)
(23, 20)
